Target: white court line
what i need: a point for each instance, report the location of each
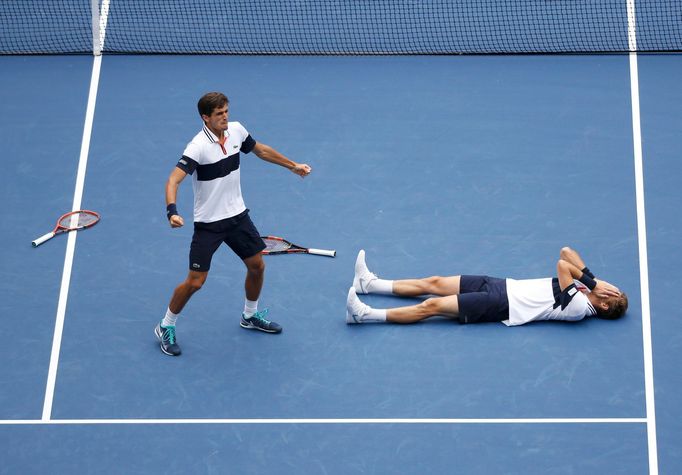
(643, 271)
(650, 420)
(71, 242)
(642, 241)
(624, 420)
(99, 32)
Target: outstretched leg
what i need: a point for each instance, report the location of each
(431, 307)
(366, 282)
(435, 285)
(359, 312)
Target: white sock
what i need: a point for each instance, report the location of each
(169, 319)
(250, 307)
(380, 286)
(374, 315)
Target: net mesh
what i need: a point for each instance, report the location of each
(342, 26)
(275, 245)
(78, 220)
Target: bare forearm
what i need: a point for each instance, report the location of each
(573, 267)
(567, 272)
(174, 180)
(571, 256)
(171, 191)
(269, 154)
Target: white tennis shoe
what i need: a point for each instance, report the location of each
(363, 276)
(355, 309)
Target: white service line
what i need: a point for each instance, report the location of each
(71, 242)
(622, 420)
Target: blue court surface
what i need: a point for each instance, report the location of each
(435, 166)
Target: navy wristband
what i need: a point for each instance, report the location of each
(171, 210)
(588, 272)
(589, 282)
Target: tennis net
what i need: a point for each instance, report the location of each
(339, 27)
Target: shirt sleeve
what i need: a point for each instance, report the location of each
(576, 309)
(190, 158)
(565, 297)
(248, 142)
(187, 165)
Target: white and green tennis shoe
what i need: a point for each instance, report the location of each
(258, 322)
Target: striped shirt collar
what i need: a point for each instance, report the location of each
(211, 136)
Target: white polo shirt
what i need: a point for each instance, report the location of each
(215, 172)
(536, 299)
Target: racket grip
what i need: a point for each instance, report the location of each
(42, 239)
(322, 252)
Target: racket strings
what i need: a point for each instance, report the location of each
(78, 220)
(273, 245)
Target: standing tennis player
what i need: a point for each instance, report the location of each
(220, 216)
(572, 295)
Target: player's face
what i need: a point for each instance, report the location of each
(217, 121)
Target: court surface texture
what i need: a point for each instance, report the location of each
(434, 166)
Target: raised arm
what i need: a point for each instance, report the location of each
(569, 255)
(574, 268)
(174, 180)
(567, 272)
(269, 154)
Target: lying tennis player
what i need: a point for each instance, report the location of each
(573, 295)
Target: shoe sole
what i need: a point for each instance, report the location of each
(350, 318)
(254, 327)
(157, 332)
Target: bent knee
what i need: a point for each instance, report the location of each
(431, 305)
(195, 283)
(256, 266)
(194, 286)
(434, 280)
(446, 306)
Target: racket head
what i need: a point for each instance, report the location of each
(276, 245)
(80, 219)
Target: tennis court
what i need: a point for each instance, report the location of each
(434, 164)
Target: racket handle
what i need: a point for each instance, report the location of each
(42, 239)
(322, 252)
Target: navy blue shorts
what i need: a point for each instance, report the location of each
(238, 232)
(482, 299)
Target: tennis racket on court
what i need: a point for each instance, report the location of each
(277, 245)
(72, 221)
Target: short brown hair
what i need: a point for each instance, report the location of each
(617, 307)
(211, 101)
